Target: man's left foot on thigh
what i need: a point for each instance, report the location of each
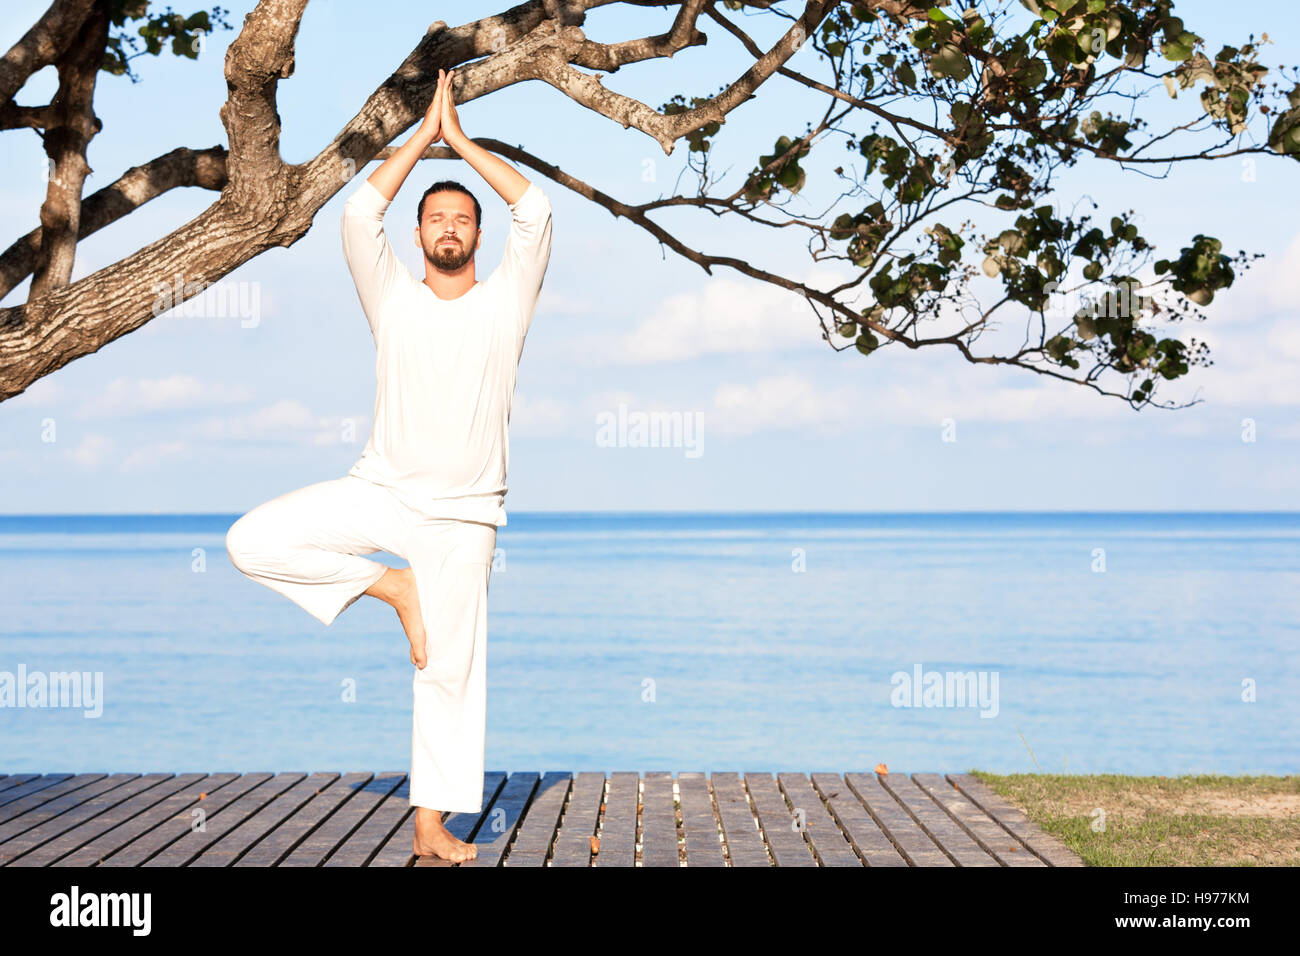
(407, 605)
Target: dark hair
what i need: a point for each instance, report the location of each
(449, 185)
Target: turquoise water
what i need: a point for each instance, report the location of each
(745, 642)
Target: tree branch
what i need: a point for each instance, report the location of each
(259, 58)
(181, 167)
(71, 126)
(13, 116)
(706, 261)
(42, 45)
(550, 62)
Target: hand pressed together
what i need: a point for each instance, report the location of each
(440, 120)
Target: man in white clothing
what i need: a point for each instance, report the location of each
(430, 485)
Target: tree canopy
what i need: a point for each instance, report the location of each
(955, 123)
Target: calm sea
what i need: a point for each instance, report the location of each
(1128, 643)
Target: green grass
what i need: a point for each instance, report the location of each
(1207, 820)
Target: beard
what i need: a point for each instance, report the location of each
(448, 257)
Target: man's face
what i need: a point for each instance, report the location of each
(447, 233)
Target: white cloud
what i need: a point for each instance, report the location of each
(44, 391)
(1254, 363)
(288, 420)
(125, 396)
(91, 451)
(559, 303)
(784, 401)
(726, 315)
(531, 418)
(154, 454)
(1270, 286)
(970, 397)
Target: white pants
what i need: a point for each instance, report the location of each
(307, 545)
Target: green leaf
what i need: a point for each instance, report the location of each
(949, 61)
(1284, 138)
(1181, 47)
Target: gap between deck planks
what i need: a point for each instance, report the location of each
(528, 819)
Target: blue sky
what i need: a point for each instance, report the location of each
(220, 413)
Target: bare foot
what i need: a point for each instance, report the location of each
(397, 587)
(433, 839)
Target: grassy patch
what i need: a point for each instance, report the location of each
(1114, 820)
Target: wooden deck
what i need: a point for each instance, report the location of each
(529, 819)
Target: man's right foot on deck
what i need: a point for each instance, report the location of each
(434, 839)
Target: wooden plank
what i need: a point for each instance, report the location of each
(702, 842)
(189, 846)
(537, 831)
(235, 841)
(581, 817)
(321, 842)
(14, 780)
(1045, 846)
(32, 785)
(912, 842)
(50, 810)
(744, 841)
(787, 845)
(30, 801)
(982, 828)
(141, 821)
(181, 824)
(829, 846)
(398, 849)
(617, 836)
(78, 814)
(658, 821)
(866, 837)
(281, 841)
(500, 823)
(150, 790)
(362, 819)
(366, 840)
(953, 840)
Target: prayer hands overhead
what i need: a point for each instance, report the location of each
(449, 129)
(432, 122)
(440, 120)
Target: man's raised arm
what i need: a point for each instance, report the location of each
(528, 246)
(374, 265)
(496, 172)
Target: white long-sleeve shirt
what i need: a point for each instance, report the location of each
(445, 368)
